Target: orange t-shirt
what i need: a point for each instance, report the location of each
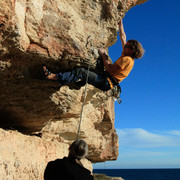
(125, 64)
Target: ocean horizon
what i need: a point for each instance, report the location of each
(142, 174)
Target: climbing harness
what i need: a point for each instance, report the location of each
(89, 42)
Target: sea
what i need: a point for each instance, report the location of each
(141, 174)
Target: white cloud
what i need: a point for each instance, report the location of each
(174, 132)
(146, 139)
(139, 148)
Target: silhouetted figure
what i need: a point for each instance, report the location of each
(69, 168)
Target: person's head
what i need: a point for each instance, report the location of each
(78, 149)
(134, 49)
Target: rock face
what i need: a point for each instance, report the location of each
(55, 33)
(104, 177)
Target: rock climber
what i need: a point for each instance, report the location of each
(115, 73)
(70, 168)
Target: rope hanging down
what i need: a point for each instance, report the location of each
(89, 41)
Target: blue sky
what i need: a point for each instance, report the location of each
(148, 120)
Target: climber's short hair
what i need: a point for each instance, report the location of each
(78, 149)
(137, 49)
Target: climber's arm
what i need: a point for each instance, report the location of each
(107, 64)
(122, 33)
(110, 68)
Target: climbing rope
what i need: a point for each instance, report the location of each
(89, 42)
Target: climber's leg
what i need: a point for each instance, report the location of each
(70, 76)
(48, 74)
(99, 81)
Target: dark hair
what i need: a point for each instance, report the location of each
(137, 48)
(78, 149)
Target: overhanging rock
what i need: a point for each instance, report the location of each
(55, 33)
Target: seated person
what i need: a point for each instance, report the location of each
(70, 168)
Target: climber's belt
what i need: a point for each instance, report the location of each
(112, 80)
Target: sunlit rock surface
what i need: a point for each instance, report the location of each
(40, 119)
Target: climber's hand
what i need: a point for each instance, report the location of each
(102, 53)
(120, 23)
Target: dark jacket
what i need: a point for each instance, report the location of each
(66, 169)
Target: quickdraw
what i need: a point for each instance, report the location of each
(115, 92)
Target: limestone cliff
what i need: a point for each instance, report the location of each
(53, 32)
